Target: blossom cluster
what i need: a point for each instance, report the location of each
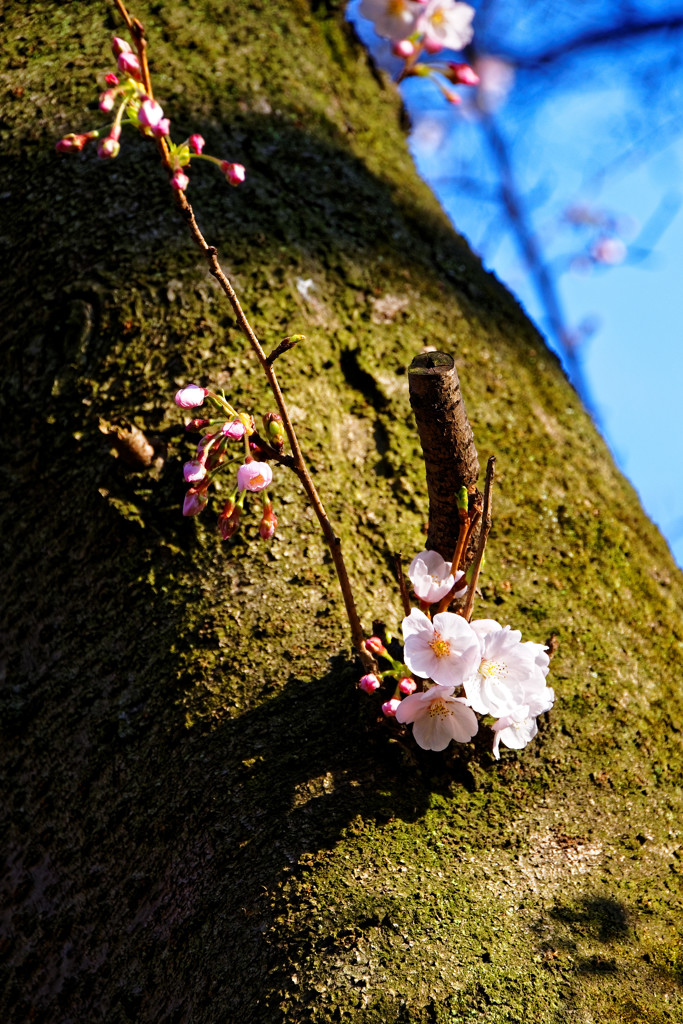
(465, 669)
(212, 457)
(128, 98)
(417, 27)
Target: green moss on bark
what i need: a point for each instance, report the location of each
(203, 819)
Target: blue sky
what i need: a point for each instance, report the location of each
(584, 139)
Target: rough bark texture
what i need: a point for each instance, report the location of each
(448, 447)
(201, 820)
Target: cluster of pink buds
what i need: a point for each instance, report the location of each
(417, 27)
(397, 672)
(131, 103)
(213, 456)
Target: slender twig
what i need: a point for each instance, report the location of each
(463, 533)
(483, 536)
(405, 599)
(298, 463)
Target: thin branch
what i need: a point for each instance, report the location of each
(533, 256)
(483, 537)
(405, 599)
(298, 463)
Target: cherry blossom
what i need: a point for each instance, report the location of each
(390, 707)
(393, 19)
(446, 24)
(445, 650)
(190, 396)
(179, 181)
(254, 476)
(234, 173)
(369, 683)
(519, 728)
(506, 672)
(234, 429)
(431, 577)
(129, 64)
(268, 524)
(194, 471)
(438, 717)
(195, 500)
(513, 732)
(150, 113)
(407, 685)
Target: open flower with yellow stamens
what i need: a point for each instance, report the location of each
(509, 672)
(445, 649)
(438, 717)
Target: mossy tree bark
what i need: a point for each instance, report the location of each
(202, 820)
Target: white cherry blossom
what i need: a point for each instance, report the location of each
(431, 577)
(447, 24)
(514, 732)
(438, 717)
(445, 649)
(509, 672)
(393, 19)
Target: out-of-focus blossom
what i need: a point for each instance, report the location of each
(393, 19)
(446, 24)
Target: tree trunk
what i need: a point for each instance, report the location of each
(202, 819)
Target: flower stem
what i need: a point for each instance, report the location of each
(298, 463)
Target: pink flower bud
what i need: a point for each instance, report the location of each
(129, 65)
(190, 396)
(407, 685)
(179, 181)
(194, 471)
(375, 645)
(229, 519)
(453, 98)
(369, 683)
(196, 143)
(462, 74)
(108, 148)
(254, 476)
(71, 143)
(195, 500)
(111, 79)
(403, 48)
(107, 100)
(268, 523)
(119, 46)
(203, 448)
(390, 707)
(150, 113)
(162, 128)
(235, 430)
(234, 173)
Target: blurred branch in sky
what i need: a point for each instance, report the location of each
(563, 169)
